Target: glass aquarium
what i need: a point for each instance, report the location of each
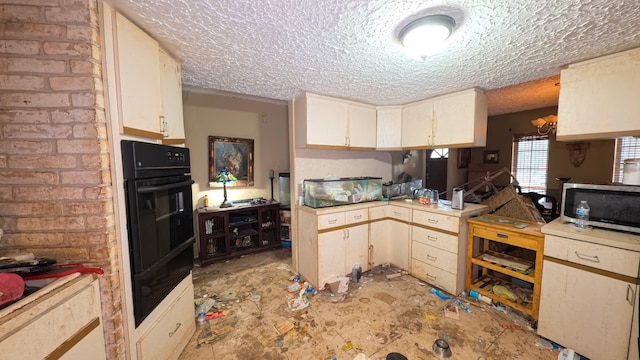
(320, 193)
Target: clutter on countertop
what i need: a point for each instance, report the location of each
(319, 193)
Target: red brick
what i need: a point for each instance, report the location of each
(100, 222)
(3, 161)
(38, 131)
(32, 31)
(24, 116)
(30, 240)
(19, 47)
(85, 67)
(20, 82)
(66, 254)
(80, 177)
(6, 194)
(73, 115)
(31, 209)
(80, 32)
(92, 131)
(23, 147)
(67, 15)
(98, 193)
(92, 238)
(21, 65)
(50, 224)
(67, 48)
(43, 162)
(79, 146)
(72, 83)
(28, 177)
(83, 99)
(86, 208)
(16, 13)
(48, 193)
(35, 100)
(97, 161)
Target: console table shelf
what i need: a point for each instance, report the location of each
(224, 233)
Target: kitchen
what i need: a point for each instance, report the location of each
(62, 203)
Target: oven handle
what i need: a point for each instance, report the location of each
(150, 189)
(165, 259)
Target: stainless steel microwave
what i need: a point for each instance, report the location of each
(615, 207)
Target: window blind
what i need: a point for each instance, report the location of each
(626, 148)
(529, 162)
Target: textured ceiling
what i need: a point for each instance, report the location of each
(349, 48)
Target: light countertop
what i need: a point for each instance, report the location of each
(618, 239)
(470, 209)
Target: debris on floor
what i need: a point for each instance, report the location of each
(285, 326)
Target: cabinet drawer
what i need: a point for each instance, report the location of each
(356, 216)
(171, 332)
(48, 330)
(433, 256)
(435, 238)
(508, 237)
(597, 256)
(438, 221)
(328, 221)
(434, 276)
(378, 212)
(399, 213)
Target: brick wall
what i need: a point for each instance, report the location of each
(55, 181)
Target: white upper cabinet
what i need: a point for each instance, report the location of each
(324, 122)
(417, 120)
(389, 128)
(171, 86)
(143, 85)
(454, 120)
(600, 98)
(460, 119)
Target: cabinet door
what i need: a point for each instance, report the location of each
(568, 299)
(138, 80)
(361, 126)
(389, 127)
(378, 240)
(331, 259)
(460, 119)
(416, 124)
(171, 86)
(599, 98)
(398, 244)
(326, 121)
(357, 248)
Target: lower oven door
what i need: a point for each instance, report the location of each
(151, 286)
(160, 218)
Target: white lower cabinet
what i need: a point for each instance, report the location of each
(171, 332)
(389, 236)
(65, 323)
(589, 298)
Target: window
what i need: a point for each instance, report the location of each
(440, 153)
(529, 162)
(626, 148)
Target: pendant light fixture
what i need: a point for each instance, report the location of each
(424, 36)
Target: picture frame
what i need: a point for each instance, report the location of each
(464, 158)
(491, 156)
(236, 155)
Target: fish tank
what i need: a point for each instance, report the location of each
(319, 193)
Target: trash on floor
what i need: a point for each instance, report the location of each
(451, 311)
(348, 346)
(361, 356)
(285, 326)
(338, 284)
(440, 294)
(393, 276)
(504, 293)
(430, 316)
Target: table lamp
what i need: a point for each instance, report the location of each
(224, 176)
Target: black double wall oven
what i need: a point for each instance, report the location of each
(159, 220)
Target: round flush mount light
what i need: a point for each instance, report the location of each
(424, 36)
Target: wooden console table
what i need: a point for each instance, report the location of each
(224, 233)
(518, 267)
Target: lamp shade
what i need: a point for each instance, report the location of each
(424, 36)
(224, 176)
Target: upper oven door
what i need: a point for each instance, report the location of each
(160, 218)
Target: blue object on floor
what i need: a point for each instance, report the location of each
(440, 294)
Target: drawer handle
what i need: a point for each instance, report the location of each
(332, 221)
(588, 257)
(431, 221)
(630, 295)
(357, 217)
(431, 277)
(504, 236)
(176, 329)
(432, 238)
(432, 258)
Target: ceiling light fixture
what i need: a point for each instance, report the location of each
(546, 124)
(424, 36)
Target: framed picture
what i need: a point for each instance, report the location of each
(491, 156)
(234, 154)
(464, 158)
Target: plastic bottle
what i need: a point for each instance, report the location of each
(477, 295)
(582, 215)
(356, 271)
(206, 201)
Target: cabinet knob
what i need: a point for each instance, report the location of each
(175, 330)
